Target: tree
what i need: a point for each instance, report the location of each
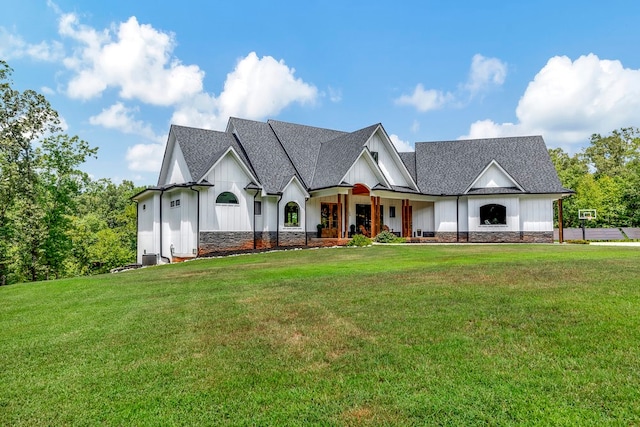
(39, 179)
(610, 154)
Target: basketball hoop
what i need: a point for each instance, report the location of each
(586, 215)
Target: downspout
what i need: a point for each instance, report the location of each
(306, 236)
(161, 227)
(458, 218)
(278, 222)
(254, 220)
(197, 222)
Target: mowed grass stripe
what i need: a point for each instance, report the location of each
(397, 335)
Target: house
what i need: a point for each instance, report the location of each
(263, 185)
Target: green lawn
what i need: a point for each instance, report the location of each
(395, 335)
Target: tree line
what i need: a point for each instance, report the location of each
(55, 221)
(605, 176)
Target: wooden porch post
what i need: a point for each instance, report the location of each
(339, 216)
(373, 216)
(346, 215)
(560, 229)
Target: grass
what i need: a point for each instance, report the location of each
(383, 335)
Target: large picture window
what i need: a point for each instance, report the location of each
(292, 215)
(227, 198)
(493, 214)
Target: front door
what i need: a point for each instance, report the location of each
(329, 219)
(363, 219)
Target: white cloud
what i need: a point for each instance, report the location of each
(122, 118)
(14, 46)
(145, 157)
(567, 101)
(415, 126)
(255, 89)
(137, 59)
(335, 95)
(400, 144)
(484, 74)
(425, 100)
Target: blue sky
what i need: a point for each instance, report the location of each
(121, 72)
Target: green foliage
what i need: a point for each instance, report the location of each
(54, 222)
(402, 335)
(388, 237)
(605, 177)
(359, 240)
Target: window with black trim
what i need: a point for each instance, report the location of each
(292, 215)
(374, 154)
(493, 214)
(175, 203)
(227, 197)
(257, 208)
(392, 211)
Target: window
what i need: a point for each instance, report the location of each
(374, 154)
(175, 203)
(257, 208)
(227, 197)
(493, 214)
(291, 215)
(144, 207)
(392, 211)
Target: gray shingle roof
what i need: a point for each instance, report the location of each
(201, 148)
(409, 160)
(450, 167)
(338, 155)
(302, 144)
(268, 158)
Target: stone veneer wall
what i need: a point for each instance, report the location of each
(511, 237)
(452, 237)
(292, 238)
(218, 242)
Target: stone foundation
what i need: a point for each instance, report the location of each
(227, 242)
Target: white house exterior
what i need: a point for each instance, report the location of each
(275, 184)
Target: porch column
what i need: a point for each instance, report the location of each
(404, 218)
(346, 215)
(340, 216)
(560, 229)
(373, 217)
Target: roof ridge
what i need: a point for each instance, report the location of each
(286, 152)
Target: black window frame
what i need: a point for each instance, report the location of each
(493, 214)
(233, 201)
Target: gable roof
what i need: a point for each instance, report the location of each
(336, 157)
(302, 144)
(267, 156)
(201, 148)
(450, 167)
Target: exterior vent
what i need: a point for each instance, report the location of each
(149, 259)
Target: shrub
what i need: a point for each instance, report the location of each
(359, 240)
(577, 242)
(388, 237)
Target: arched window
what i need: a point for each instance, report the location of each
(493, 214)
(227, 197)
(292, 215)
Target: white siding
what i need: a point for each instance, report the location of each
(269, 213)
(148, 226)
(536, 214)
(293, 193)
(493, 177)
(394, 224)
(463, 214)
(387, 160)
(227, 175)
(181, 221)
(513, 213)
(445, 215)
(423, 217)
(178, 172)
(361, 173)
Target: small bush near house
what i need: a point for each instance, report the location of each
(359, 240)
(388, 237)
(577, 242)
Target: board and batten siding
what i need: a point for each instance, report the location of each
(227, 175)
(387, 161)
(179, 222)
(148, 226)
(536, 214)
(493, 177)
(293, 193)
(445, 215)
(423, 216)
(512, 204)
(361, 173)
(178, 172)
